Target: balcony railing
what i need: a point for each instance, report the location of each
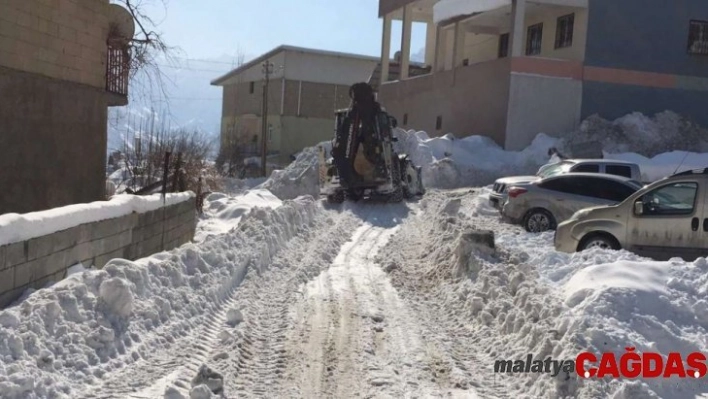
(118, 69)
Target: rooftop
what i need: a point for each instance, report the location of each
(283, 48)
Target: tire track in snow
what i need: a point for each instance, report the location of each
(178, 363)
(355, 335)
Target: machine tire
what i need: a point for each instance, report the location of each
(397, 194)
(354, 194)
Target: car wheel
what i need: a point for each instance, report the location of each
(538, 221)
(603, 241)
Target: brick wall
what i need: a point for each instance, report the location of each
(61, 39)
(35, 262)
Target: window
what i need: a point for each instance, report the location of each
(672, 199)
(587, 168)
(564, 31)
(605, 189)
(561, 184)
(503, 46)
(619, 170)
(251, 87)
(438, 123)
(405, 119)
(698, 37)
(534, 38)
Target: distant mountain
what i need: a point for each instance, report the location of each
(187, 100)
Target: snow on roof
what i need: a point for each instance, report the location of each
(447, 9)
(20, 227)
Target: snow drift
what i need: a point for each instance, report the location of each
(223, 212)
(301, 177)
(65, 338)
(450, 162)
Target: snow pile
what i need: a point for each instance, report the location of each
(613, 300)
(301, 177)
(20, 227)
(239, 186)
(71, 336)
(665, 164)
(449, 162)
(657, 144)
(648, 136)
(529, 299)
(223, 212)
(446, 9)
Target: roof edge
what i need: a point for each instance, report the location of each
(283, 48)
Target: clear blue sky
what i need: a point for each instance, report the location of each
(214, 28)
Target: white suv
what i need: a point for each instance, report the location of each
(612, 167)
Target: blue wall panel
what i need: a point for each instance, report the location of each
(645, 35)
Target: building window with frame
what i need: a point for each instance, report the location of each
(251, 87)
(503, 46)
(534, 39)
(564, 31)
(438, 123)
(698, 37)
(405, 119)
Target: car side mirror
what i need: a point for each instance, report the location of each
(638, 207)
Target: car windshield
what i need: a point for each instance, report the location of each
(554, 170)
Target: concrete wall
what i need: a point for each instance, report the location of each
(34, 263)
(645, 35)
(52, 142)
(539, 104)
(612, 101)
(59, 39)
(471, 100)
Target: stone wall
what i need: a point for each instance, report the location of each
(35, 262)
(64, 40)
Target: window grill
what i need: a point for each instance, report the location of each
(534, 39)
(118, 69)
(564, 31)
(503, 46)
(698, 37)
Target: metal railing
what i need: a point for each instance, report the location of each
(117, 69)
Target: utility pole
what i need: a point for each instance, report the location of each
(267, 70)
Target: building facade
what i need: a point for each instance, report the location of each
(305, 87)
(512, 69)
(62, 63)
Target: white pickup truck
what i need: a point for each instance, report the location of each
(613, 167)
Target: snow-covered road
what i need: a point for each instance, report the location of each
(359, 300)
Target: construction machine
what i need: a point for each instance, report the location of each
(362, 163)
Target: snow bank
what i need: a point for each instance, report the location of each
(63, 340)
(299, 178)
(613, 300)
(664, 164)
(657, 144)
(223, 213)
(20, 227)
(449, 162)
(446, 9)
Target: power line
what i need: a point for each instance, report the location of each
(191, 69)
(207, 61)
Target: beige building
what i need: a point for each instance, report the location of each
(305, 87)
(62, 63)
(510, 69)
